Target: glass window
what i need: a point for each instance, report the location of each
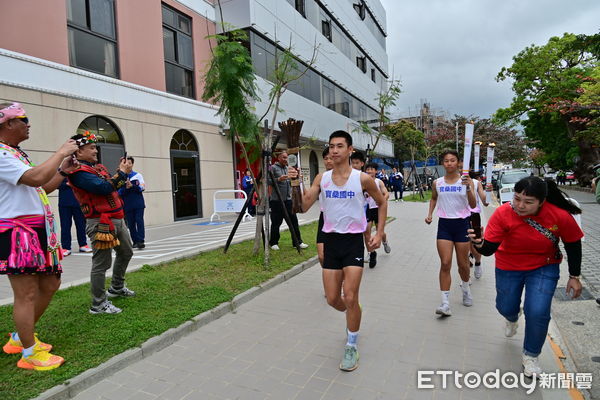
(179, 80)
(373, 75)
(169, 44)
(168, 16)
(326, 29)
(91, 35)
(178, 52)
(360, 9)
(105, 131)
(77, 12)
(184, 50)
(91, 52)
(361, 63)
(185, 24)
(183, 140)
(102, 17)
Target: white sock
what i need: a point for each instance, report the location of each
(352, 338)
(15, 336)
(466, 287)
(28, 351)
(445, 297)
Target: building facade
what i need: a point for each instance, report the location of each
(341, 87)
(129, 71)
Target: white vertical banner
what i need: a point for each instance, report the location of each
(476, 151)
(488, 172)
(468, 145)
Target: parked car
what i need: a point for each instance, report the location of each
(506, 184)
(551, 175)
(571, 178)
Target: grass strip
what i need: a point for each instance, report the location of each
(416, 197)
(167, 295)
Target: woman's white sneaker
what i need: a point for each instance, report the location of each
(531, 366)
(511, 328)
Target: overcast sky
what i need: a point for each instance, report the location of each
(449, 51)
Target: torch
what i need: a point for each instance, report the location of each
(476, 154)
(468, 145)
(292, 128)
(488, 174)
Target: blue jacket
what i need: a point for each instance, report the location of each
(66, 198)
(397, 181)
(133, 198)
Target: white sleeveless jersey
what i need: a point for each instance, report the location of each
(477, 208)
(343, 207)
(452, 202)
(370, 201)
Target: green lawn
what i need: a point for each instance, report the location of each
(417, 197)
(167, 296)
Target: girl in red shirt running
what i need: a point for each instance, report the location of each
(524, 235)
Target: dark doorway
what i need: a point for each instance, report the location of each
(185, 176)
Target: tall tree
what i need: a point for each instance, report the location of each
(551, 79)
(510, 146)
(386, 99)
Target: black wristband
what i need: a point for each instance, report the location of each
(63, 173)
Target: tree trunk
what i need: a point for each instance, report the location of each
(589, 155)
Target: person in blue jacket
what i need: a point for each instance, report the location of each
(247, 186)
(69, 211)
(134, 205)
(397, 184)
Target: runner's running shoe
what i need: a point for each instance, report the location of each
(443, 310)
(15, 346)
(40, 360)
(477, 271)
(350, 360)
(387, 247)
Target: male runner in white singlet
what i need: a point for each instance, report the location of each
(344, 223)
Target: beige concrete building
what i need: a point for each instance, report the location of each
(130, 72)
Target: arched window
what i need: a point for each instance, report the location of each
(110, 140)
(183, 140)
(104, 129)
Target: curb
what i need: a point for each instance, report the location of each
(88, 378)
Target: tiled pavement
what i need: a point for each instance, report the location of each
(287, 342)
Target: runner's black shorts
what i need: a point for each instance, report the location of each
(343, 250)
(454, 230)
(320, 233)
(373, 215)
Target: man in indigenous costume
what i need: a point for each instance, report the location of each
(30, 251)
(96, 191)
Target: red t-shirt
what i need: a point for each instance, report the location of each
(524, 248)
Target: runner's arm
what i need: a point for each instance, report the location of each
(482, 194)
(311, 194)
(384, 191)
(368, 185)
(432, 203)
